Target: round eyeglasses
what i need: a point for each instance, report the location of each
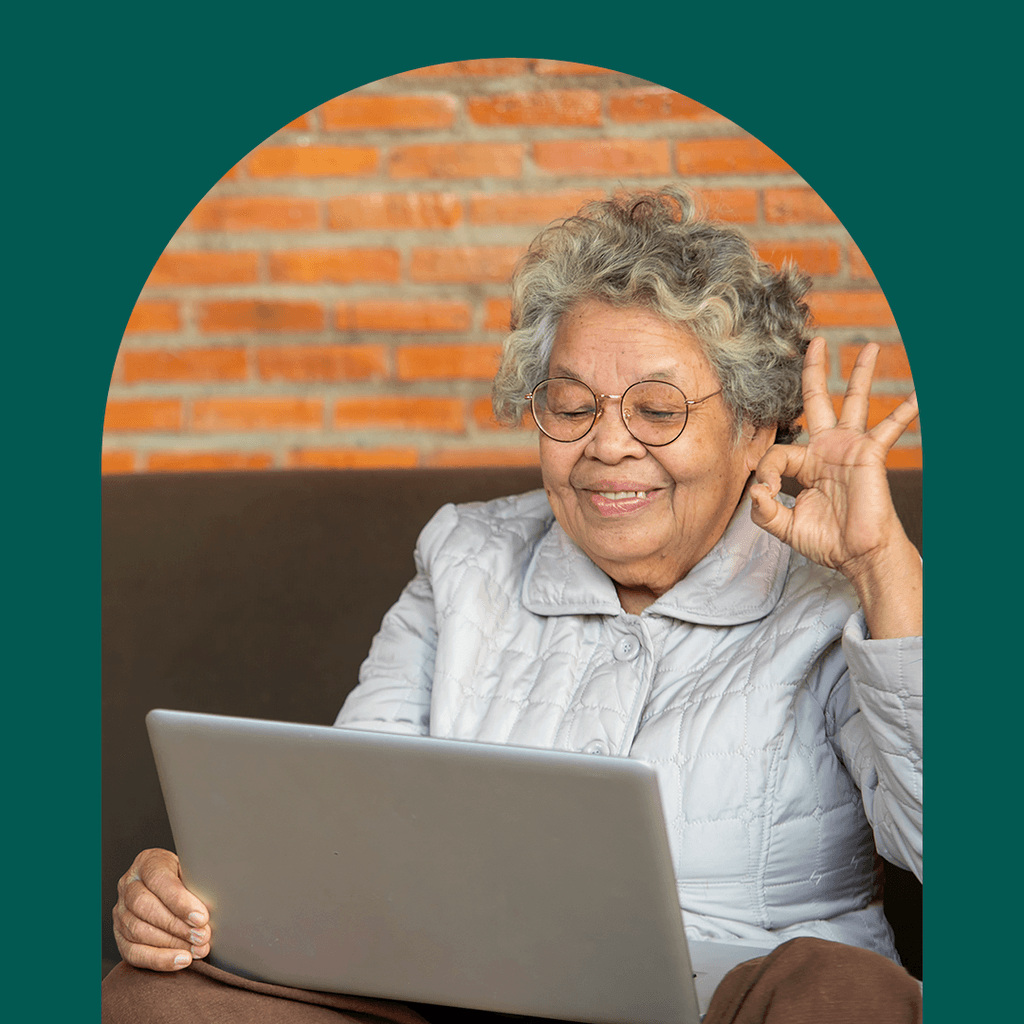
(654, 411)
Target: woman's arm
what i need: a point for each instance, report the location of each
(877, 713)
(393, 693)
(396, 679)
(844, 518)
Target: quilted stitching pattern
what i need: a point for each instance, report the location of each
(734, 686)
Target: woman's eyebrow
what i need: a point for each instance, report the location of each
(564, 371)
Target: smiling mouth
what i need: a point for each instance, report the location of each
(621, 503)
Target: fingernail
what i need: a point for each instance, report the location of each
(183, 959)
(195, 918)
(196, 938)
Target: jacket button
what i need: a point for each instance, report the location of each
(596, 747)
(626, 649)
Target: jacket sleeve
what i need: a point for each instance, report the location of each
(395, 680)
(879, 737)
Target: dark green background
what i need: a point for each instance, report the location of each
(121, 119)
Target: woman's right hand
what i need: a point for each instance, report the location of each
(158, 923)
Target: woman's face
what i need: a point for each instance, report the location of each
(686, 491)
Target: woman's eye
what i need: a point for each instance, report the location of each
(658, 415)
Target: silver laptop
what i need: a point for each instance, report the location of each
(501, 878)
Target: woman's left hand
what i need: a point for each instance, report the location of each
(844, 517)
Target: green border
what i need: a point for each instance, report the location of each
(125, 118)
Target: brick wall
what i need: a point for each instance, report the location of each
(339, 297)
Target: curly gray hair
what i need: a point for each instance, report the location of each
(655, 249)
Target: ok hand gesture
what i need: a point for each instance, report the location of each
(844, 517)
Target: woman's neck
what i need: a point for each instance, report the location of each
(635, 599)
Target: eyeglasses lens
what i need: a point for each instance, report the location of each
(564, 409)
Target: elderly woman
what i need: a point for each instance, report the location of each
(661, 600)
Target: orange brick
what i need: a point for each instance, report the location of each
(529, 208)
(892, 362)
(302, 123)
(796, 206)
(457, 160)
(408, 315)
(456, 69)
(904, 458)
(117, 462)
(395, 211)
(736, 205)
(335, 266)
(399, 411)
(447, 362)
(313, 161)
(482, 414)
(448, 458)
(850, 309)
(462, 263)
(633, 106)
(498, 315)
(143, 414)
(375, 112)
(190, 364)
(248, 315)
(561, 67)
(153, 316)
(353, 458)
(321, 362)
(603, 156)
(190, 462)
(254, 213)
(811, 256)
(859, 269)
(726, 156)
(550, 107)
(183, 268)
(266, 413)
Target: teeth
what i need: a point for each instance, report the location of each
(618, 495)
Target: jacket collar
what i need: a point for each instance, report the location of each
(739, 580)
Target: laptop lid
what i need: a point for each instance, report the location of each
(467, 874)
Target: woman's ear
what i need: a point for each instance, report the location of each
(758, 443)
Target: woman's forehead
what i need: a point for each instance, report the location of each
(595, 337)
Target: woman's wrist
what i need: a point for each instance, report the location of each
(890, 585)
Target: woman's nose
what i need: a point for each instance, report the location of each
(609, 440)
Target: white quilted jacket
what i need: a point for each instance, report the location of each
(781, 736)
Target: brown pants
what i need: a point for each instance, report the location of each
(804, 981)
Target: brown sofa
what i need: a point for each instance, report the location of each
(257, 594)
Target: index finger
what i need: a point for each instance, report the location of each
(780, 460)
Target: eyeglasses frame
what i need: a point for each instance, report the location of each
(599, 408)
